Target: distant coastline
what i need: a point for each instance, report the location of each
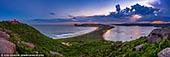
(144, 24)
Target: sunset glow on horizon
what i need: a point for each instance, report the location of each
(157, 22)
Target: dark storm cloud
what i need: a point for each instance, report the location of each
(52, 13)
(148, 14)
(51, 20)
(124, 15)
(161, 4)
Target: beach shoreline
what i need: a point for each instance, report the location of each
(76, 33)
(93, 35)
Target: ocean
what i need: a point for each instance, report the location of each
(62, 31)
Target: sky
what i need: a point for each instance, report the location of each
(34, 9)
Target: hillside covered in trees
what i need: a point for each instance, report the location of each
(27, 40)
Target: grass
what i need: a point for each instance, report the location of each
(87, 45)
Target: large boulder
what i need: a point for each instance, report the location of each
(164, 53)
(7, 47)
(4, 35)
(158, 34)
(28, 45)
(154, 38)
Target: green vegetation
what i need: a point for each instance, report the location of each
(88, 45)
(21, 49)
(23, 32)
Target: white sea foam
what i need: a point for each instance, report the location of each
(90, 29)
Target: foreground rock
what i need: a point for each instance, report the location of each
(55, 53)
(138, 47)
(4, 35)
(7, 47)
(66, 43)
(164, 53)
(28, 45)
(158, 34)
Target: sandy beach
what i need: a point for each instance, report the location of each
(70, 35)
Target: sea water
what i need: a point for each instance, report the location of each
(63, 31)
(127, 33)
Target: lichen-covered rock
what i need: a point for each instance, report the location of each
(52, 52)
(8, 31)
(158, 34)
(164, 53)
(7, 47)
(154, 38)
(28, 45)
(4, 35)
(36, 52)
(138, 47)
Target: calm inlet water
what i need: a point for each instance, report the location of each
(62, 31)
(127, 33)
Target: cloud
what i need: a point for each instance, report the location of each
(141, 14)
(161, 4)
(50, 20)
